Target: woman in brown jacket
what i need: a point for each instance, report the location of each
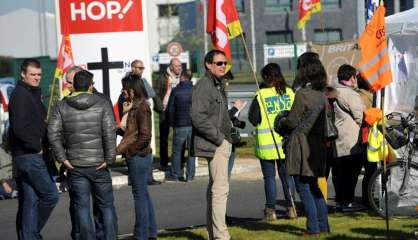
(136, 147)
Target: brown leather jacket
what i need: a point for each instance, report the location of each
(137, 137)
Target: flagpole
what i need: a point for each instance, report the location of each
(265, 110)
(205, 16)
(385, 177)
(51, 95)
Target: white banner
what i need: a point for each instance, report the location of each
(106, 36)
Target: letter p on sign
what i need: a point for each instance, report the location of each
(96, 16)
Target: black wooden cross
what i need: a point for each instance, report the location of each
(105, 66)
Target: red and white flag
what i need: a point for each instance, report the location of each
(223, 24)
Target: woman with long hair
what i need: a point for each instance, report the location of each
(136, 146)
(275, 97)
(306, 150)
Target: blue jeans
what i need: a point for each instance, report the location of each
(231, 161)
(181, 136)
(268, 167)
(97, 216)
(38, 195)
(138, 170)
(86, 181)
(313, 203)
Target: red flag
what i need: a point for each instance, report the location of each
(306, 8)
(223, 24)
(65, 60)
(374, 65)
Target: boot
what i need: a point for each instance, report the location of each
(291, 213)
(269, 214)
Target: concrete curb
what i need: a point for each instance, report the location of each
(201, 171)
(120, 174)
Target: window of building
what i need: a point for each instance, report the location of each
(239, 59)
(240, 5)
(327, 35)
(237, 49)
(168, 10)
(277, 5)
(331, 4)
(275, 37)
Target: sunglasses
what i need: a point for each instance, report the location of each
(220, 63)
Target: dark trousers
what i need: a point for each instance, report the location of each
(83, 183)
(369, 169)
(345, 172)
(164, 132)
(38, 195)
(97, 216)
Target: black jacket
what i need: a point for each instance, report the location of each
(27, 120)
(82, 130)
(210, 117)
(180, 104)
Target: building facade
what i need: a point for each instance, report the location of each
(274, 22)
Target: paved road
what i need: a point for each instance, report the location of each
(177, 205)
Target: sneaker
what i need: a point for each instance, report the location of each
(269, 215)
(291, 213)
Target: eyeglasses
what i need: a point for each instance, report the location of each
(220, 63)
(140, 68)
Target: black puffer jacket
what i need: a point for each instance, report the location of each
(82, 130)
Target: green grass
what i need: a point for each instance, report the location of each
(347, 226)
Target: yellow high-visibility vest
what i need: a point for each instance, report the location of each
(275, 104)
(375, 145)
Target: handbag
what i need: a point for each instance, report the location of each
(331, 131)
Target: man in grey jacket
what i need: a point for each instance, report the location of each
(212, 139)
(82, 131)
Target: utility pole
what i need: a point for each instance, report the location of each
(253, 41)
(205, 13)
(361, 17)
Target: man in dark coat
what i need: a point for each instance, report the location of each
(179, 107)
(38, 194)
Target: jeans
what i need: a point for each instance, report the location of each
(86, 181)
(38, 195)
(231, 161)
(164, 131)
(138, 170)
(97, 216)
(182, 135)
(313, 203)
(268, 167)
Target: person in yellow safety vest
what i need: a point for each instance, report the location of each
(276, 97)
(376, 141)
(375, 152)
